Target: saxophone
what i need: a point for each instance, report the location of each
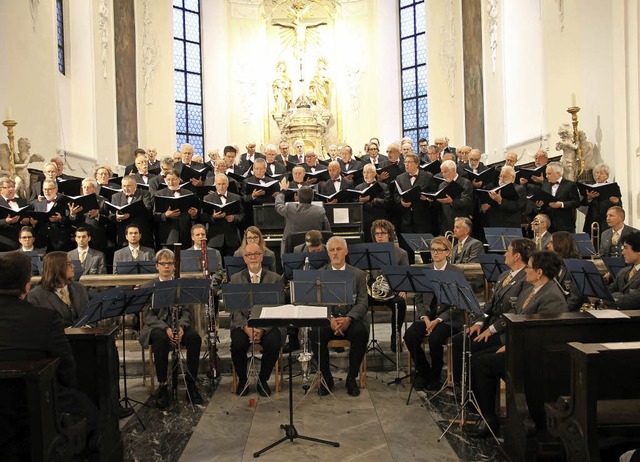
(211, 319)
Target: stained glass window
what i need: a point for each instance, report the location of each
(413, 64)
(60, 34)
(187, 74)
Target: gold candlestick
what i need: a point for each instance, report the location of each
(10, 124)
(573, 110)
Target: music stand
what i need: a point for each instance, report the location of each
(172, 294)
(418, 243)
(493, 266)
(589, 280)
(585, 246)
(243, 297)
(406, 279)
(136, 267)
(257, 320)
(500, 238)
(296, 261)
(234, 265)
(614, 264)
(191, 261)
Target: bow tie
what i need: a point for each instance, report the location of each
(271, 163)
(51, 201)
(144, 174)
(393, 163)
(556, 183)
(130, 197)
(222, 196)
(413, 176)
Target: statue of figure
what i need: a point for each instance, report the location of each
(319, 86)
(569, 160)
(587, 150)
(281, 89)
(22, 160)
(296, 31)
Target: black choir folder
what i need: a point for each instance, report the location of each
(183, 203)
(451, 189)
(136, 207)
(230, 208)
(605, 189)
(269, 187)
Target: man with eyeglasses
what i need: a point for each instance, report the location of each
(159, 332)
(10, 225)
(133, 168)
(27, 240)
(143, 176)
(53, 233)
(158, 182)
(224, 229)
(348, 163)
(373, 156)
(297, 157)
(131, 193)
(50, 171)
(242, 336)
(449, 208)
(249, 158)
(174, 225)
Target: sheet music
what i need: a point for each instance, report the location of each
(293, 312)
(607, 314)
(341, 216)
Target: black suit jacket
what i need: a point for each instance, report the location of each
(239, 318)
(172, 230)
(353, 165)
(264, 199)
(245, 164)
(376, 208)
(53, 236)
(101, 228)
(219, 231)
(419, 217)
(366, 159)
(195, 165)
(280, 169)
(507, 214)
(49, 299)
(597, 212)
(144, 221)
(9, 233)
(327, 188)
(460, 207)
(563, 219)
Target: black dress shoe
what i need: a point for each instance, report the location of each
(240, 389)
(434, 385)
(161, 397)
(481, 429)
(324, 391)
(194, 395)
(263, 389)
(419, 382)
(352, 387)
(123, 412)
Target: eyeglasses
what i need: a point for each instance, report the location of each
(380, 233)
(253, 238)
(166, 263)
(434, 250)
(252, 255)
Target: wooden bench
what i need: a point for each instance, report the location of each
(28, 388)
(604, 399)
(538, 371)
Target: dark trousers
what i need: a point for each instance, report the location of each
(271, 342)
(487, 368)
(162, 347)
(493, 343)
(357, 334)
(402, 310)
(437, 339)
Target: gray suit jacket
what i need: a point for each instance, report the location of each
(49, 299)
(549, 299)
(93, 262)
(626, 293)
(471, 251)
(161, 318)
(239, 318)
(607, 249)
(124, 254)
(358, 309)
(300, 218)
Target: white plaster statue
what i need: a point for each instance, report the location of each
(282, 92)
(319, 86)
(569, 149)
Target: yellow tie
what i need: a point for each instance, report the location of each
(507, 280)
(83, 256)
(64, 296)
(134, 253)
(459, 247)
(528, 299)
(615, 238)
(632, 273)
(255, 279)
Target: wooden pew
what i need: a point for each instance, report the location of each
(538, 371)
(30, 385)
(604, 399)
(96, 356)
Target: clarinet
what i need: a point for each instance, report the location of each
(175, 323)
(210, 313)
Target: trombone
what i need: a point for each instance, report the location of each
(595, 237)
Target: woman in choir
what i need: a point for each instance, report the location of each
(253, 235)
(57, 289)
(597, 203)
(563, 243)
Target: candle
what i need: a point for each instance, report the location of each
(573, 100)
(8, 113)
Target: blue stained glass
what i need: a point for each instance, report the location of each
(181, 138)
(197, 142)
(179, 86)
(178, 23)
(405, 2)
(409, 115)
(195, 118)
(423, 110)
(420, 18)
(408, 83)
(408, 53)
(424, 133)
(181, 117)
(61, 61)
(421, 49)
(194, 88)
(192, 27)
(407, 26)
(413, 134)
(192, 5)
(178, 54)
(422, 80)
(193, 57)
(177, 3)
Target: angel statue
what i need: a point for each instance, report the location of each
(22, 159)
(296, 30)
(570, 160)
(281, 89)
(319, 86)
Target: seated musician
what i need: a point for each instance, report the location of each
(134, 251)
(436, 320)
(312, 243)
(626, 286)
(540, 227)
(242, 335)
(348, 322)
(566, 246)
(199, 234)
(384, 231)
(159, 332)
(611, 238)
(32, 332)
(253, 235)
(543, 295)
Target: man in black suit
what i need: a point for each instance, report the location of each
(248, 158)
(242, 335)
(283, 152)
(186, 153)
(476, 166)
(143, 176)
(394, 158)
(373, 156)
(275, 169)
(159, 332)
(450, 208)
(335, 183)
(442, 142)
(347, 321)
(53, 233)
(96, 220)
(562, 212)
(258, 196)
(50, 171)
(223, 229)
(174, 225)
(297, 157)
(157, 182)
(625, 289)
(144, 221)
(417, 216)
(152, 160)
(132, 168)
(10, 226)
(30, 333)
(502, 212)
(373, 208)
(348, 163)
(133, 251)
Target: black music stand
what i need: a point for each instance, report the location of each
(172, 294)
(234, 265)
(406, 279)
(289, 429)
(585, 246)
(243, 297)
(589, 280)
(493, 266)
(614, 264)
(191, 261)
(296, 261)
(419, 243)
(368, 257)
(499, 239)
(137, 267)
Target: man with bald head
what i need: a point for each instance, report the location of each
(335, 182)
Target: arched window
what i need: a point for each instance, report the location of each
(60, 35)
